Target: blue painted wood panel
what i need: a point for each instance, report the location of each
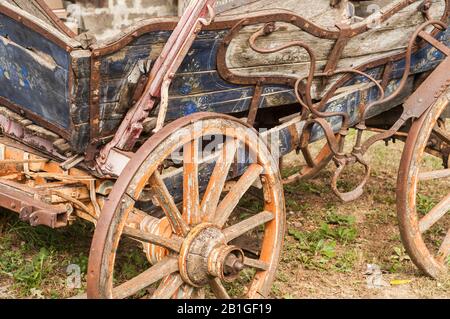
(34, 72)
(197, 86)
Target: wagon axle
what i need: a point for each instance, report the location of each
(205, 254)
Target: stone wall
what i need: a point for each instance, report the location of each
(105, 18)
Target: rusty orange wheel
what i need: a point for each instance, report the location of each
(183, 200)
(423, 191)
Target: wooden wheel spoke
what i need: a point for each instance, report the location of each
(167, 203)
(256, 263)
(427, 176)
(168, 287)
(442, 134)
(444, 250)
(191, 211)
(244, 226)
(164, 268)
(218, 289)
(228, 204)
(435, 214)
(184, 292)
(217, 180)
(173, 243)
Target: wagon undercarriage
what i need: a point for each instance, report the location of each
(131, 133)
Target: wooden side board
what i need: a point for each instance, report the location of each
(35, 66)
(198, 86)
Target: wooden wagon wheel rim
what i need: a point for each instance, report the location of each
(207, 216)
(412, 225)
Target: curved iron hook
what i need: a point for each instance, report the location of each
(359, 190)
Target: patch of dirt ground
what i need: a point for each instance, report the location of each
(365, 257)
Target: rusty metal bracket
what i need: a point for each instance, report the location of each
(387, 72)
(345, 34)
(424, 8)
(36, 212)
(428, 93)
(341, 163)
(254, 106)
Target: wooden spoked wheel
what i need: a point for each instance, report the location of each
(424, 220)
(194, 247)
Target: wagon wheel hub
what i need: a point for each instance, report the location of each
(205, 255)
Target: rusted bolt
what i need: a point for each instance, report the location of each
(233, 264)
(269, 28)
(238, 266)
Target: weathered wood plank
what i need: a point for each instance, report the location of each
(244, 61)
(40, 10)
(319, 10)
(35, 68)
(38, 84)
(388, 36)
(238, 100)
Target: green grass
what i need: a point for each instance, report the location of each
(425, 203)
(33, 260)
(324, 247)
(27, 271)
(398, 259)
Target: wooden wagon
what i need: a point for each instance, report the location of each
(156, 134)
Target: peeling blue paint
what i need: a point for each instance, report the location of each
(26, 83)
(190, 108)
(186, 89)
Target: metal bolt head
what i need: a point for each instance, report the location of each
(238, 266)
